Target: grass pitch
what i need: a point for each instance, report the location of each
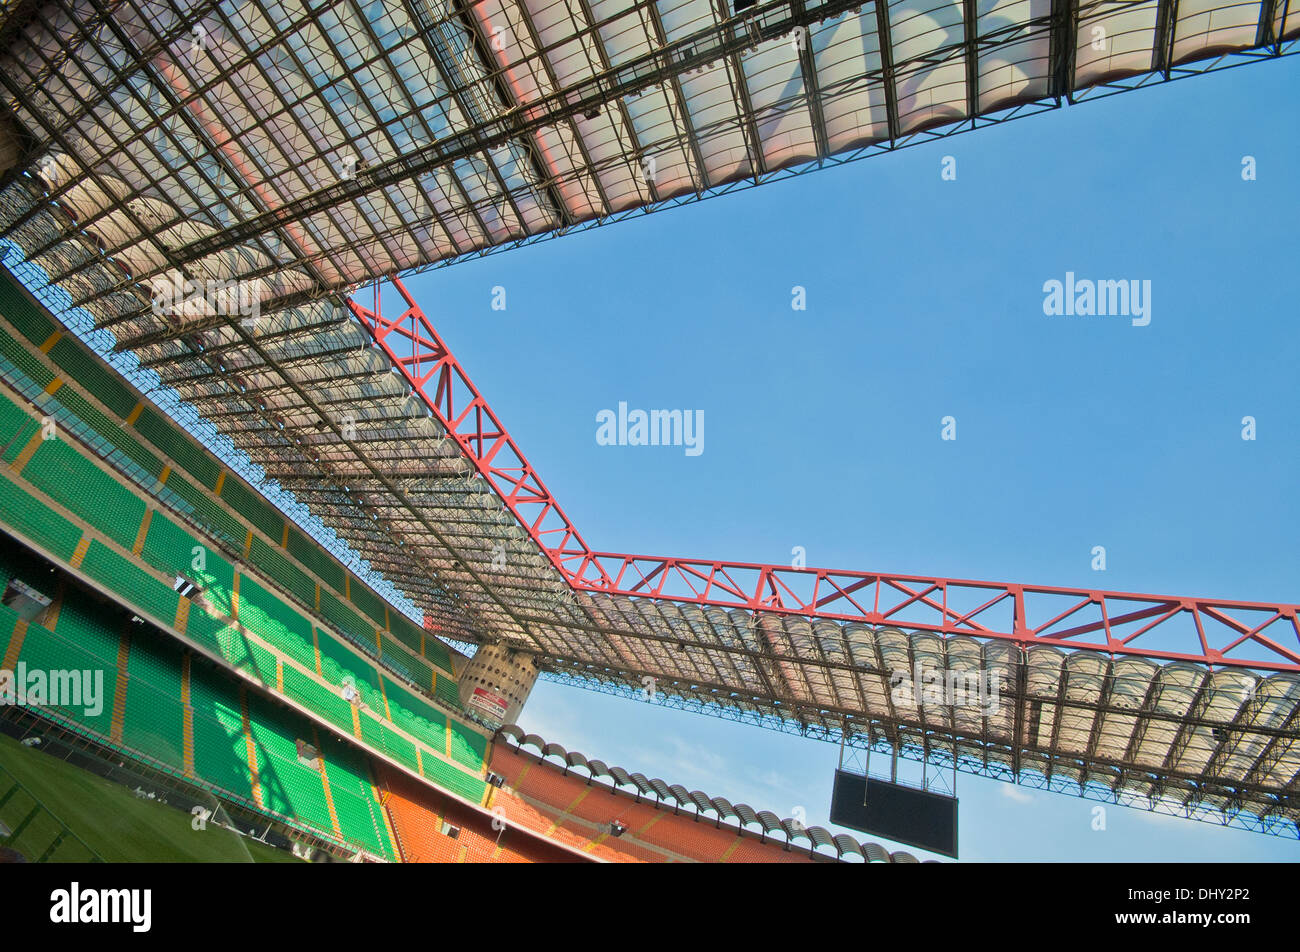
(110, 819)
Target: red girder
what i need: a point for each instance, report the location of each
(1268, 640)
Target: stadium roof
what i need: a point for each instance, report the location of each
(149, 147)
(310, 147)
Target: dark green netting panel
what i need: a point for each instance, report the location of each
(209, 513)
(13, 420)
(104, 382)
(110, 430)
(309, 553)
(447, 692)
(369, 603)
(347, 620)
(164, 434)
(271, 563)
(252, 507)
(23, 314)
(22, 358)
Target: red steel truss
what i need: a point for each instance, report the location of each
(1213, 632)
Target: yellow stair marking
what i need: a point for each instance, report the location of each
(284, 539)
(221, 481)
(187, 745)
(248, 543)
(54, 385)
(730, 849)
(52, 613)
(384, 694)
(251, 747)
(576, 800)
(315, 641)
(234, 598)
(279, 675)
(356, 721)
(463, 850)
(138, 545)
(379, 643)
(653, 820)
(383, 815)
(79, 553)
(318, 596)
(388, 626)
(51, 341)
(182, 620)
(419, 762)
(448, 733)
(29, 450)
(325, 782)
(119, 690)
(347, 587)
(135, 413)
(15, 644)
(162, 477)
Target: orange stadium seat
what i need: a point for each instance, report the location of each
(540, 796)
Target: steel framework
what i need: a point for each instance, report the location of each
(1264, 636)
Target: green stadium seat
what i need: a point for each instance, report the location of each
(457, 781)
(319, 699)
(37, 521)
(468, 746)
(266, 615)
(62, 473)
(288, 787)
(153, 720)
(172, 548)
(220, 748)
(135, 584)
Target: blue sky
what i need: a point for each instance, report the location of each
(924, 299)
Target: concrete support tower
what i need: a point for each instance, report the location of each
(496, 682)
